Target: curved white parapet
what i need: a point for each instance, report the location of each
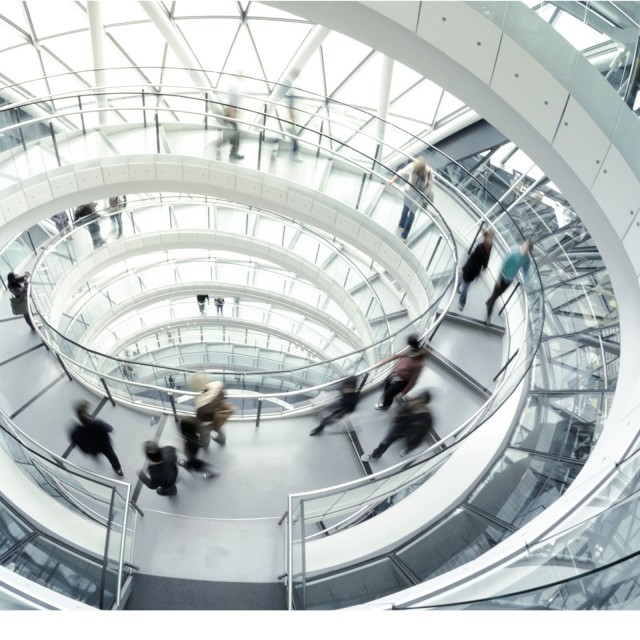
(512, 68)
(41, 196)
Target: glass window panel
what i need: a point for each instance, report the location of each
(420, 103)
(242, 57)
(210, 51)
(578, 33)
(448, 105)
(362, 89)
(277, 43)
(189, 8)
(312, 77)
(10, 38)
(341, 54)
(23, 65)
(118, 12)
(49, 18)
(144, 44)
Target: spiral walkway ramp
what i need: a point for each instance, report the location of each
(523, 494)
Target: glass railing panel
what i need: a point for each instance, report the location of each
(296, 534)
(13, 530)
(63, 570)
(354, 586)
(521, 485)
(460, 537)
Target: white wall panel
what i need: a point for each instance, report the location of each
(89, 177)
(582, 145)
(404, 13)
(14, 205)
(370, 243)
(63, 184)
(116, 172)
(274, 193)
(473, 44)
(632, 243)
(323, 213)
(142, 170)
(528, 87)
(299, 203)
(196, 173)
(38, 194)
(616, 180)
(346, 227)
(249, 186)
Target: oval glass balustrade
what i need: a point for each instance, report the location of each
(222, 267)
(55, 269)
(91, 567)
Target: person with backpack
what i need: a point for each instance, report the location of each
(162, 469)
(212, 410)
(91, 436)
(412, 422)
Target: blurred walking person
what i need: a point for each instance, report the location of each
(162, 469)
(517, 258)
(405, 372)
(116, 205)
(418, 192)
(477, 261)
(412, 422)
(192, 436)
(87, 212)
(91, 435)
(202, 300)
(345, 405)
(231, 111)
(19, 288)
(219, 302)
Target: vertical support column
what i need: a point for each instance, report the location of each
(383, 101)
(96, 29)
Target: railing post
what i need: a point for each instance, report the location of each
(475, 237)
(320, 139)
(365, 377)
(364, 179)
(62, 364)
(104, 384)
(173, 407)
(506, 364)
(157, 121)
(24, 144)
(55, 143)
(509, 298)
(144, 109)
(259, 412)
(84, 131)
(206, 111)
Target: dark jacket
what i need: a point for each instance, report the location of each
(412, 423)
(478, 260)
(20, 289)
(93, 436)
(164, 473)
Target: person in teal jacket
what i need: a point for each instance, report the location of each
(517, 258)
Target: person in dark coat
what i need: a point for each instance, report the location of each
(19, 288)
(478, 260)
(192, 435)
(412, 422)
(346, 404)
(162, 470)
(92, 436)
